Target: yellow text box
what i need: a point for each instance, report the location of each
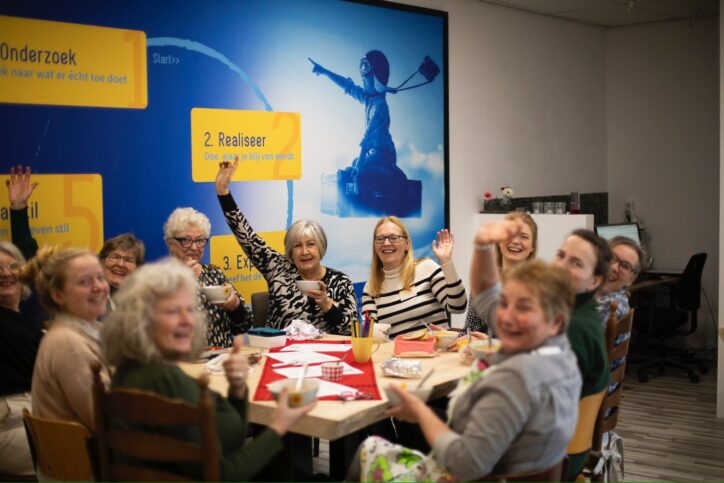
(268, 144)
(66, 64)
(228, 255)
(65, 209)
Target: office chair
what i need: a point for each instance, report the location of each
(685, 300)
(260, 308)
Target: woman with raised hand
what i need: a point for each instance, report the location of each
(510, 253)
(187, 232)
(330, 308)
(405, 292)
(514, 416)
(157, 324)
(74, 291)
(20, 337)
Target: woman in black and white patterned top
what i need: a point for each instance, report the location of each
(187, 232)
(330, 308)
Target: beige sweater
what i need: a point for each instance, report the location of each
(63, 379)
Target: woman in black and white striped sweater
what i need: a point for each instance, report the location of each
(403, 291)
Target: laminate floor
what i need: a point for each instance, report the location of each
(669, 428)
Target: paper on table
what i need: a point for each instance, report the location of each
(314, 371)
(301, 357)
(327, 388)
(318, 347)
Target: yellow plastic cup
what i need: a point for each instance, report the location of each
(362, 348)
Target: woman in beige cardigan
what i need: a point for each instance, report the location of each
(72, 287)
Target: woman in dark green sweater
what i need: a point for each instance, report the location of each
(155, 325)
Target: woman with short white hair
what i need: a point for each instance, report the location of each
(330, 308)
(187, 233)
(157, 323)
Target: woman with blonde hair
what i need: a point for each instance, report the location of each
(404, 292)
(157, 324)
(510, 253)
(73, 290)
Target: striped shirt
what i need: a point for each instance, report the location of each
(436, 292)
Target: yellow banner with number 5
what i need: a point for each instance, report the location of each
(65, 209)
(231, 259)
(268, 144)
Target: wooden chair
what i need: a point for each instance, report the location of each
(59, 448)
(122, 415)
(260, 308)
(553, 473)
(607, 417)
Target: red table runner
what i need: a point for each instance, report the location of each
(365, 382)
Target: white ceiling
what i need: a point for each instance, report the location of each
(616, 13)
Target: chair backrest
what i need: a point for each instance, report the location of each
(128, 422)
(687, 290)
(59, 448)
(616, 330)
(260, 308)
(553, 473)
(583, 435)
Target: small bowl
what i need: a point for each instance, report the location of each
(307, 393)
(484, 350)
(423, 393)
(443, 338)
(217, 294)
(305, 286)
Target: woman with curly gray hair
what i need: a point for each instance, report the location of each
(156, 324)
(186, 233)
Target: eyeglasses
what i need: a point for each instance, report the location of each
(187, 242)
(12, 267)
(625, 266)
(115, 258)
(380, 239)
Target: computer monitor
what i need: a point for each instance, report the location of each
(629, 230)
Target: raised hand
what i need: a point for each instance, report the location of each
(195, 266)
(443, 246)
(223, 177)
(236, 369)
(316, 69)
(20, 187)
(498, 231)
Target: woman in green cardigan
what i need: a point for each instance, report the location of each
(155, 325)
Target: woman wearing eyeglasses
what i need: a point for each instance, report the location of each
(19, 340)
(120, 256)
(625, 266)
(186, 233)
(404, 292)
(332, 307)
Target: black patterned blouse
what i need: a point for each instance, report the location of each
(286, 302)
(221, 326)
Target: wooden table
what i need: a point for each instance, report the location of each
(337, 421)
(331, 420)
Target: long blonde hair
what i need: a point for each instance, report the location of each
(407, 272)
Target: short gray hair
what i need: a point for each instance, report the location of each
(126, 332)
(181, 218)
(301, 228)
(13, 251)
(631, 243)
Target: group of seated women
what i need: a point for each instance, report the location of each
(513, 416)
